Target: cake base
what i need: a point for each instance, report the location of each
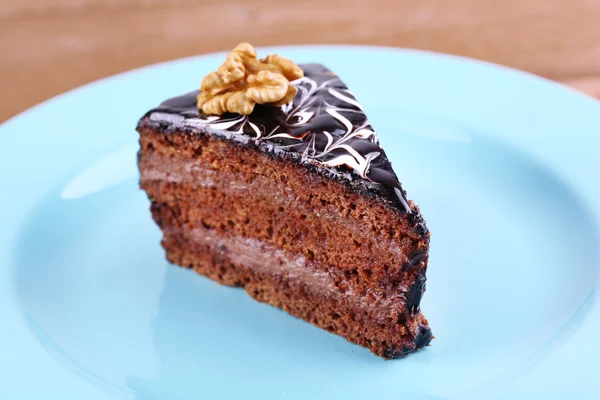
(285, 280)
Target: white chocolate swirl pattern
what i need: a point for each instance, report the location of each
(325, 126)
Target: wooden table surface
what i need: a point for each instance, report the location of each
(50, 46)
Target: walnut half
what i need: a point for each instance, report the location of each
(243, 81)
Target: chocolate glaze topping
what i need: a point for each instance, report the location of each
(324, 128)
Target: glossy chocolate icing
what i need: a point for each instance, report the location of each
(325, 128)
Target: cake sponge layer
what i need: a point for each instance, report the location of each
(315, 247)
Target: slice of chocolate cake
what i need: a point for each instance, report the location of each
(295, 202)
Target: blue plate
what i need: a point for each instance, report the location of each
(505, 167)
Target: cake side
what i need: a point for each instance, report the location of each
(221, 204)
(221, 180)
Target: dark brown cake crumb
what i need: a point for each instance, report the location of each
(312, 246)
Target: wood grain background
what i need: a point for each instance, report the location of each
(50, 46)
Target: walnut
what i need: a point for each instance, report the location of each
(243, 81)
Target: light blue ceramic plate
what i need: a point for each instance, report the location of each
(505, 166)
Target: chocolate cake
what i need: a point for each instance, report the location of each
(297, 203)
